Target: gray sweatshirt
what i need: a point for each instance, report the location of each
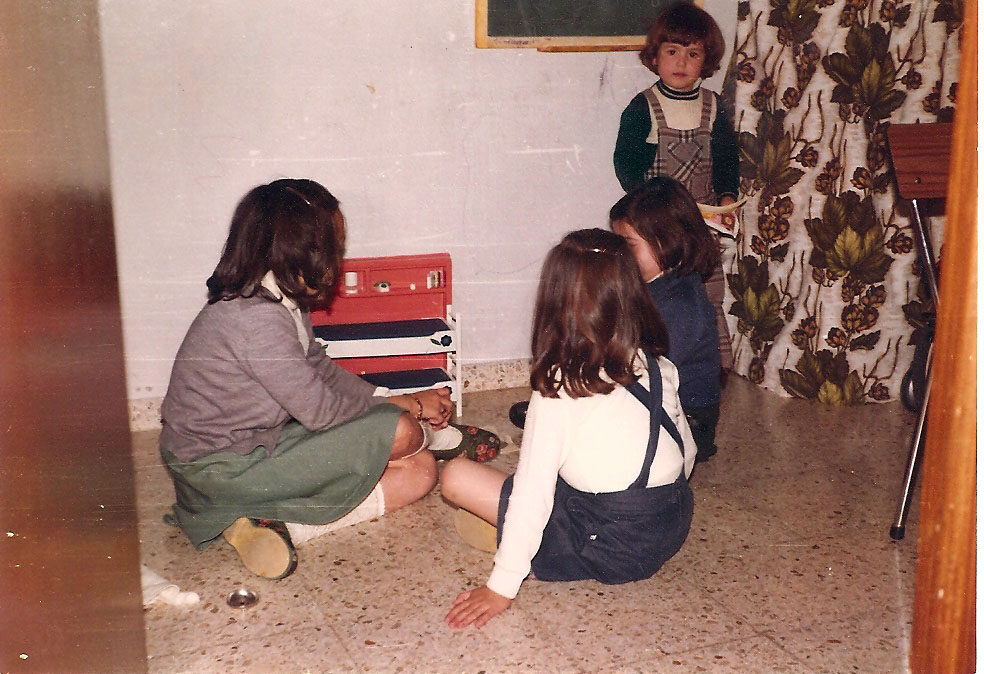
(241, 374)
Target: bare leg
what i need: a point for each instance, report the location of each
(407, 480)
(408, 439)
(411, 473)
(474, 487)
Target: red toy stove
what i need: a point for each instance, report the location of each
(393, 324)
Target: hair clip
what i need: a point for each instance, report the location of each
(296, 192)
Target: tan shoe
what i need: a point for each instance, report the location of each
(264, 546)
(475, 531)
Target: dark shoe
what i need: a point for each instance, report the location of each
(476, 443)
(703, 456)
(264, 546)
(517, 413)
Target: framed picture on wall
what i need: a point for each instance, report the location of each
(565, 25)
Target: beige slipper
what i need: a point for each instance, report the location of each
(475, 531)
(264, 546)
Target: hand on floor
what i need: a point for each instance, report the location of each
(476, 607)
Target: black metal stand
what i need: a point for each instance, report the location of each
(897, 532)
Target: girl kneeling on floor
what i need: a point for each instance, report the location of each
(601, 488)
(268, 442)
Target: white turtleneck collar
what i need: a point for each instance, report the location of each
(270, 283)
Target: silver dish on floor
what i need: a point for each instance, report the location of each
(242, 598)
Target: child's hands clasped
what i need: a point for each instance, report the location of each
(435, 406)
(727, 220)
(476, 607)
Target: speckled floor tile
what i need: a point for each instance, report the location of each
(757, 654)
(755, 559)
(665, 614)
(838, 503)
(310, 649)
(798, 587)
(282, 607)
(789, 568)
(763, 435)
(869, 642)
(812, 506)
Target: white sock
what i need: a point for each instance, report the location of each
(374, 505)
(448, 437)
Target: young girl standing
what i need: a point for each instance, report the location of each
(674, 248)
(679, 129)
(269, 442)
(601, 487)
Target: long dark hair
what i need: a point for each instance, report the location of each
(663, 213)
(291, 227)
(592, 315)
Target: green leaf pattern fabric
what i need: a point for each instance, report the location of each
(824, 300)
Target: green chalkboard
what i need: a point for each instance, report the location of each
(565, 25)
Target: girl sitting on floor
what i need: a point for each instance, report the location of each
(268, 442)
(601, 488)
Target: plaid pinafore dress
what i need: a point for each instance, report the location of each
(685, 155)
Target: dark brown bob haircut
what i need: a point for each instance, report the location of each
(592, 315)
(662, 212)
(684, 23)
(292, 227)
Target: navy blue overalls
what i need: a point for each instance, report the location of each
(616, 537)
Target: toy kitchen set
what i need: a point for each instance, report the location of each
(392, 323)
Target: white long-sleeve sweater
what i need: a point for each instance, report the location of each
(596, 444)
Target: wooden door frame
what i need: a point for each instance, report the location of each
(70, 590)
(944, 630)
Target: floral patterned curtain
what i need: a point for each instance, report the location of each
(824, 295)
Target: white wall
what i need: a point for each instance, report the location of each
(430, 144)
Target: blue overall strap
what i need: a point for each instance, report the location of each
(657, 417)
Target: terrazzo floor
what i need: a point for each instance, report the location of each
(788, 568)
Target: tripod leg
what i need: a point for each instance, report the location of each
(921, 233)
(897, 532)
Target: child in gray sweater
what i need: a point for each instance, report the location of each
(268, 442)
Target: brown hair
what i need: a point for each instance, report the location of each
(684, 23)
(291, 227)
(592, 315)
(663, 213)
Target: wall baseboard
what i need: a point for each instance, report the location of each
(496, 375)
(145, 413)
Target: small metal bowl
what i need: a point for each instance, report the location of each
(242, 598)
